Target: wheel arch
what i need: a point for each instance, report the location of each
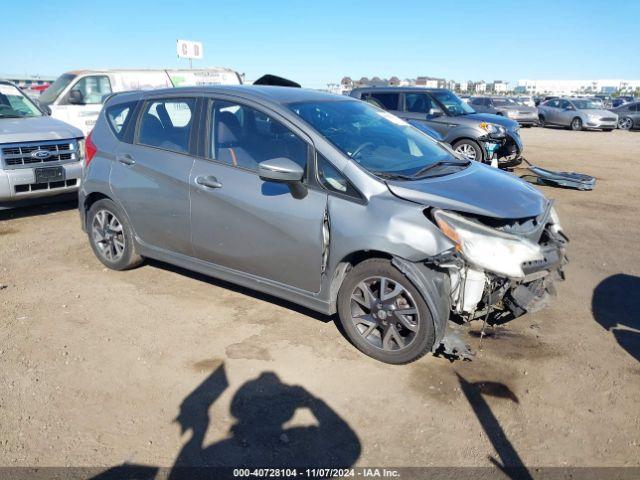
(344, 266)
(96, 196)
(432, 284)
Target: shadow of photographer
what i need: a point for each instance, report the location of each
(259, 438)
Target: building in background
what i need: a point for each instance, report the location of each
(499, 87)
(577, 87)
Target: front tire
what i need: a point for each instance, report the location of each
(541, 121)
(383, 314)
(576, 124)
(469, 149)
(111, 236)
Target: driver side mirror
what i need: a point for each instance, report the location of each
(75, 97)
(284, 170)
(280, 170)
(435, 112)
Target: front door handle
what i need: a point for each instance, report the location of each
(125, 159)
(209, 182)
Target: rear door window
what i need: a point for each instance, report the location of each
(167, 123)
(389, 101)
(119, 116)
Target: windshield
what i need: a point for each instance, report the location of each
(14, 104)
(453, 105)
(51, 93)
(377, 140)
(586, 104)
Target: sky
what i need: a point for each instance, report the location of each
(319, 42)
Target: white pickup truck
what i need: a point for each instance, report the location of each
(39, 155)
(76, 97)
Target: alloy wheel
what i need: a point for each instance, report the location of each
(108, 235)
(576, 124)
(467, 151)
(625, 123)
(384, 313)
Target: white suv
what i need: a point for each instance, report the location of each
(39, 156)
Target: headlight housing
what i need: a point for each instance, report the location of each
(493, 129)
(486, 247)
(554, 220)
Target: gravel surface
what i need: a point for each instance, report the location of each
(158, 365)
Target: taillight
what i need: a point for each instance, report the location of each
(90, 150)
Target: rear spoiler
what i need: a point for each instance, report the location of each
(269, 79)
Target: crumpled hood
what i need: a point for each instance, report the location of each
(479, 189)
(36, 129)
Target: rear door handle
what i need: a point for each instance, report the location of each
(208, 182)
(125, 159)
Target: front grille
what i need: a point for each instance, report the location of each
(17, 155)
(34, 187)
(607, 119)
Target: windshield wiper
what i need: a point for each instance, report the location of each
(11, 116)
(441, 163)
(393, 176)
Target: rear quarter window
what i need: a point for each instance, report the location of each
(119, 116)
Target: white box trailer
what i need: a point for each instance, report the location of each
(76, 97)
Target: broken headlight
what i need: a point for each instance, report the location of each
(493, 129)
(486, 247)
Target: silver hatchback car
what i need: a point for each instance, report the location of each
(323, 200)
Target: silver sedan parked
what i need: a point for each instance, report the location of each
(506, 107)
(323, 200)
(577, 114)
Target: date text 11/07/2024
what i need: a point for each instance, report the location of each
(316, 472)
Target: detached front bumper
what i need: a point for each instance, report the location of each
(537, 289)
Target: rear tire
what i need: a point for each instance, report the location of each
(373, 321)
(111, 236)
(625, 123)
(469, 149)
(576, 124)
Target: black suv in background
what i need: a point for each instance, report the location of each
(471, 134)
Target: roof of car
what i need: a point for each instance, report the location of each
(275, 94)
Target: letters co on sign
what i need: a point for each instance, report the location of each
(189, 49)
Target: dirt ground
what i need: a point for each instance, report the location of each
(158, 364)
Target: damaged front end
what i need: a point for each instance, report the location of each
(501, 269)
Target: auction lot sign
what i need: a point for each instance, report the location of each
(189, 49)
